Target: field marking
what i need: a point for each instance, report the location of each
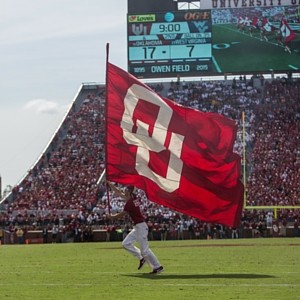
(153, 284)
(293, 67)
(227, 245)
(211, 243)
(216, 65)
(123, 273)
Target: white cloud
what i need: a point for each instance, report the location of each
(41, 106)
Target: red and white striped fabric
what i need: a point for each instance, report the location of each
(286, 31)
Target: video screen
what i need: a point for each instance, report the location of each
(256, 40)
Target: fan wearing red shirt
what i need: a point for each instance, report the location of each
(139, 233)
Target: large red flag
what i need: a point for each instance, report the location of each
(266, 25)
(286, 31)
(182, 158)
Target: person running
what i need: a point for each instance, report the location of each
(139, 233)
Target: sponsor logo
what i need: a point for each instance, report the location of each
(141, 18)
(194, 16)
(169, 17)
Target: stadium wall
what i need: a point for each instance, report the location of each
(100, 235)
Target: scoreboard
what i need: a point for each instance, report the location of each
(169, 44)
(210, 41)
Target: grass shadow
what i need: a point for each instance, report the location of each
(200, 276)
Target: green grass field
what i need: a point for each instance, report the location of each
(235, 51)
(204, 269)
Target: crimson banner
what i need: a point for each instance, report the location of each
(181, 157)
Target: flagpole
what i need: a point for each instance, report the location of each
(106, 126)
(244, 158)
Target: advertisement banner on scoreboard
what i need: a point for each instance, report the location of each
(216, 4)
(168, 69)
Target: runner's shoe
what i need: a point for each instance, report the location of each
(157, 270)
(142, 262)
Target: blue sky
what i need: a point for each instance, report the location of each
(47, 49)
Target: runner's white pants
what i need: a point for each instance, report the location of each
(139, 234)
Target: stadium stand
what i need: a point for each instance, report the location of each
(62, 190)
(276, 155)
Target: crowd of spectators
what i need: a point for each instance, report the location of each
(275, 175)
(272, 127)
(66, 178)
(62, 192)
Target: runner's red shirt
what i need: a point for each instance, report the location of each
(132, 207)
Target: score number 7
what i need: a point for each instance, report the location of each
(191, 50)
